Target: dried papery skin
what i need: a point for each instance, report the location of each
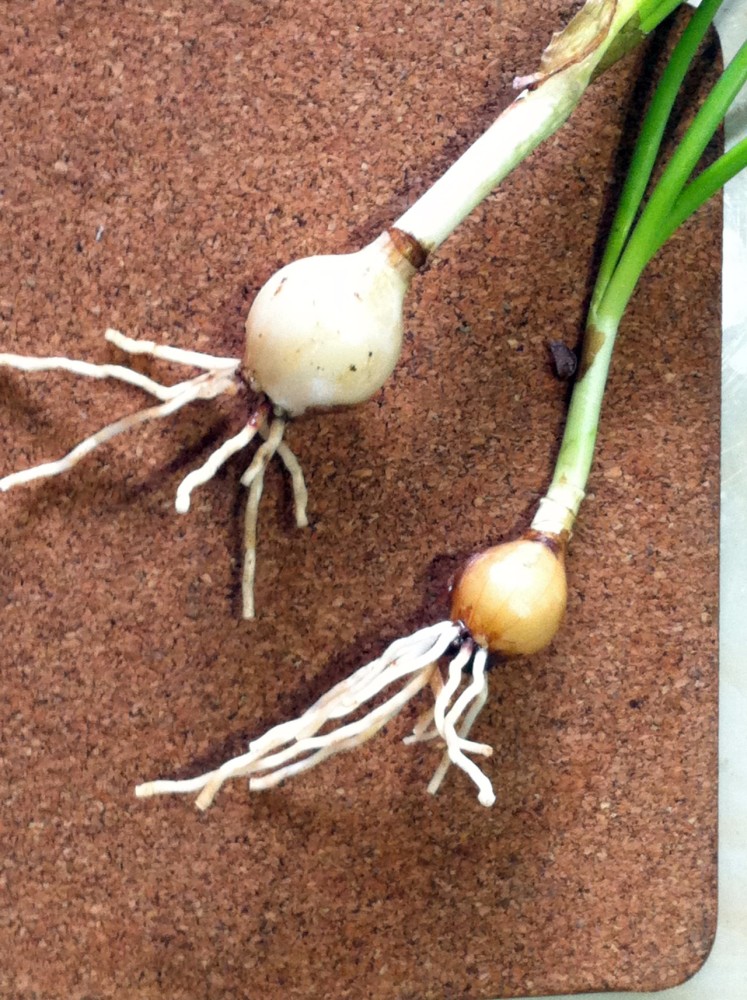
(585, 33)
(512, 597)
(327, 330)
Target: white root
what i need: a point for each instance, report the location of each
(192, 359)
(23, 363)
(457, 744)
(298, 483)
(220, 376)
(205, 473)
(86, 446)
(254, 478)
(295, 746)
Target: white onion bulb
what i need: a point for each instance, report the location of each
(327, 330)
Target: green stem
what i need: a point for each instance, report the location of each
(649, 141)
(705, 185)
(654, 12)
(645, 239)
(558, 509)
(669, 201)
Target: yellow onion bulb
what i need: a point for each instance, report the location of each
(512, 597)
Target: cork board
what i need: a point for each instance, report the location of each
(160, 162)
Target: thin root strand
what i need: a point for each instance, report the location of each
(457, 744)
(86, 446)
(298, 483)
(295, 746)
(22, 363)
(177, 355)
(254, 478)
(218, 458)
(218, 378)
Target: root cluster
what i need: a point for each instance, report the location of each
(295, 746)
(219, 377)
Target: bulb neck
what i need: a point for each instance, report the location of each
(557, 510)
(402, 252)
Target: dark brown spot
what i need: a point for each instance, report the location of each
(555, 543)
(593, 342)
(277, 290)
(260, 413)
(408, 247)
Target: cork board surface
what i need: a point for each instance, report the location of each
(159, 162)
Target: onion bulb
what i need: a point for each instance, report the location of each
(326, 331)
(512, 597)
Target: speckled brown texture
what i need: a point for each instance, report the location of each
(208, 144)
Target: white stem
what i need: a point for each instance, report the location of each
(557, 510)
(530, 119)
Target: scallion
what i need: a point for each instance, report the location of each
(510, 599)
